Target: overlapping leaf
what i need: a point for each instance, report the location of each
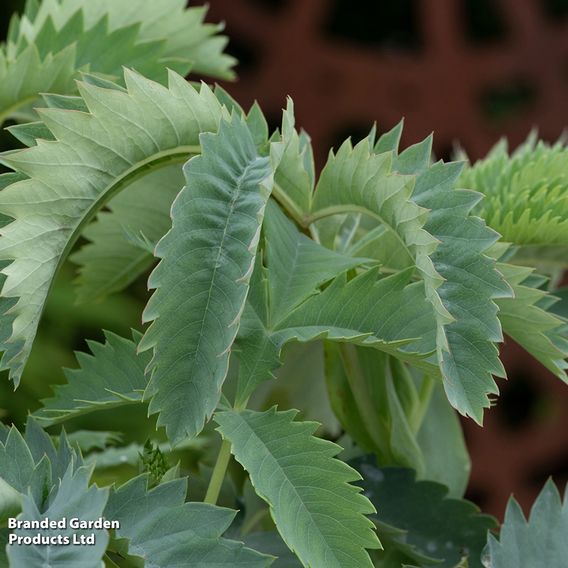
(37, 477)
(123, 135)
(202, 279)
(122, 238)
(318, 513)
(165, 531)
(526, 320)
(54, 39)
(114, 375)
(357, 180)
(384, 313)
(467, 354)
(376, 401)
(539, 542)
(158, 525)
(417, 519)
(73, 498)
(294, 175)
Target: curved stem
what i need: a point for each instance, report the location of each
(218, 473)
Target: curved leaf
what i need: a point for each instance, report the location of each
(360, 181)
(468, 354)
(318, 513)
(526, 198)
(123, 135)
(114, 258)
(526, 320)
(202, 279)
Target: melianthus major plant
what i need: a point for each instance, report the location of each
(372, 297)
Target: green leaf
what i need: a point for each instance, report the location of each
(539, 542)
(290, 389)
(468, 354)
(318, 513)
(384, 313)
(165, 531)
(526, 320)
(10, 502)
(49, 482)
(441, 439)
(113, 260)
(297, 266)
(72, 499)
(19, 470)
(417, 519)
(358, 181)
(375, 400)
(88, 440)
(202, 279)
(46, 49)
(124, 135)
(114, 375)
(294, 174)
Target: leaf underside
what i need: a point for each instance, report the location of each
(119, 136)
(202, 279)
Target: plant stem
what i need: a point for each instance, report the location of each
(218, 473)
(425, 396)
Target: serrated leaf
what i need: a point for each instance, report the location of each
(526, 320)
(292, 176)
(297, 266)
(114, 375)
(19, 470)
(10, 502)
(290, 389)
(125, 134)
(202, 279)
(165, 531)
(468, 355)
(385, 313)
(417, 519)
(318, 513)
(47, 47)
(50, 482)
(539, 542)
(73, 498)
(359, 181)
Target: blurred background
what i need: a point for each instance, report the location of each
(469, 70)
